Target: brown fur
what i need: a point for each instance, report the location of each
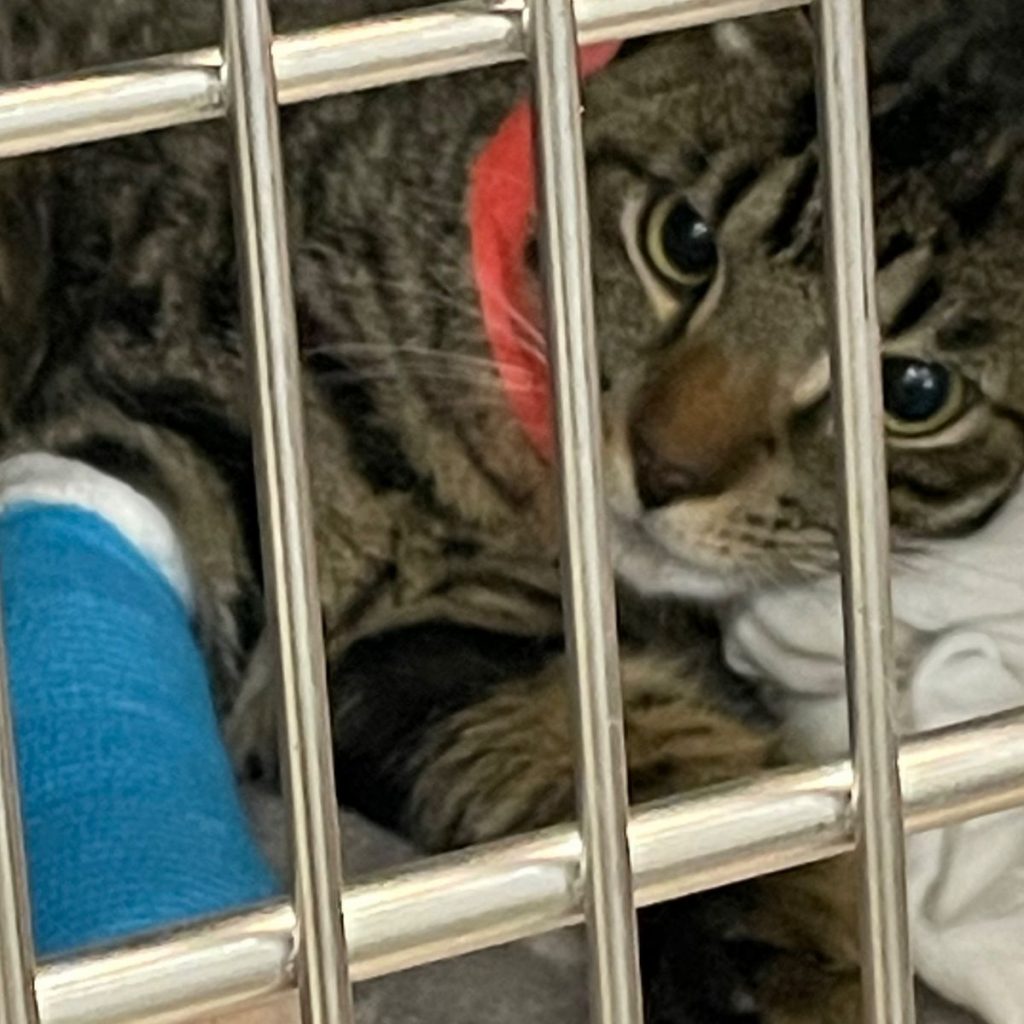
(520, 738)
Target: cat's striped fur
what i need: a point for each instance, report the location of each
(436, 521)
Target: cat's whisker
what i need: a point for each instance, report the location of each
(415, 351)
(401, 353)
(418, 293)
(524, 384)
(530, 332)
(401, 285)
(919, 565)
(396, 373)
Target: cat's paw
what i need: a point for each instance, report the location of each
(690, 975)
(779, 950)
(799, 988)
(741, 981)
(799, 943)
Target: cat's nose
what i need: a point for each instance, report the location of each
(698, 428)
(661, 481)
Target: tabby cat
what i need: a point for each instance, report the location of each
(436, 516)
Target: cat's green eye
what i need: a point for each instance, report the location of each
(679, 242)
(920, 397)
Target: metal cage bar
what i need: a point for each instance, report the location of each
(289, 563)
(184, 88)
(588, 592)
(17, 962)
(864, 509)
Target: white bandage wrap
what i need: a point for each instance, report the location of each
(40, 478)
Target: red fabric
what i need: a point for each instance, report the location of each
(501, 212)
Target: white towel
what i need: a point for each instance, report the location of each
(959, 632)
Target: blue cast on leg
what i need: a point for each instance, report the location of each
(131, 812)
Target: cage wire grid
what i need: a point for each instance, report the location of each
(598, 870)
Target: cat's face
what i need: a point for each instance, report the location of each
(712, 313)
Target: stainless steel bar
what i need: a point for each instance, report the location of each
(17, 959)
(289, 567)
(867, 614)
(186, 87)
(530, 885)
(103, 104)
(588, 596)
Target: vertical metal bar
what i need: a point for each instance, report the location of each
(289, 562)
(17, 959)
(843, 102)
(588, 596)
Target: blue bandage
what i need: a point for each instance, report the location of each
(131, 813)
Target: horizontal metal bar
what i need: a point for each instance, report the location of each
(526, 886)
(184, 88)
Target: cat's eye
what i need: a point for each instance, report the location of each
(920, 397)
(679, 242)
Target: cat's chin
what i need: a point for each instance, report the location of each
(650, 568)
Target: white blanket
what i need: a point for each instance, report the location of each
(959, 632)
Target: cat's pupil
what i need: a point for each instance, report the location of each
(914, 390)
(687, 240)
